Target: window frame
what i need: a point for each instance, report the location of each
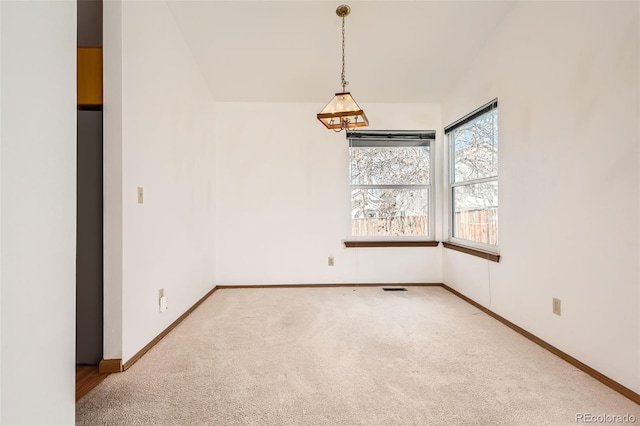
(385, 138)
(452, 185)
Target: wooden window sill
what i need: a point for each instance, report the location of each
(358, 244)
(472, 251)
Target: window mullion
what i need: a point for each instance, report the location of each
(389, 186)
(474, 181)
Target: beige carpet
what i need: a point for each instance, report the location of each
(346, 356)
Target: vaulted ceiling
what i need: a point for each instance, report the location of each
(289, 51)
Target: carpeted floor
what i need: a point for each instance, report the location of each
(346, 356)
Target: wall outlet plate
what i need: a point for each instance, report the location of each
(330, 261)
(164, 304)
(557, 306)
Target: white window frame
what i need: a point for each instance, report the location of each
(448, 130)
(389, 135)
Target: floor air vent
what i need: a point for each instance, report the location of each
(394, 289)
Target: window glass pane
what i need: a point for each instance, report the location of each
(405, 165)
(476, 212)
(475, 146)
(390, 212)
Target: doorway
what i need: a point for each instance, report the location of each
(89, 218)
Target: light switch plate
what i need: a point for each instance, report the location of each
(140, 195)
(164, 304)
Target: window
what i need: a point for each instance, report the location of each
(391, 174)
(473, 143)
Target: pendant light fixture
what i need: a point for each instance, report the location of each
(343, 113)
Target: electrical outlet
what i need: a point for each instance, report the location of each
(140, 195)
(557, 306)
(330, 261)
(164, 304)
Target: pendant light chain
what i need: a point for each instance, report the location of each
(344, 81)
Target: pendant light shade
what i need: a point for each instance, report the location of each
(342, 112)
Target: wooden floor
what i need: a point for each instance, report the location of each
(87, 378)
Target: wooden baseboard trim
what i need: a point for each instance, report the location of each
(166, 331)
(245, 286)
(110, 366)
(621, 389)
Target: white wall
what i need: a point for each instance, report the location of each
(38, 196)
(167, 147)
(112, 178)
(283, 204)
(0, 212)
(566, 76)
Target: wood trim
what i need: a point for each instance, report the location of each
(358, 244)
(110, 366)
(166, 331)
(625, 391)
(245, 286)
(474, 252)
